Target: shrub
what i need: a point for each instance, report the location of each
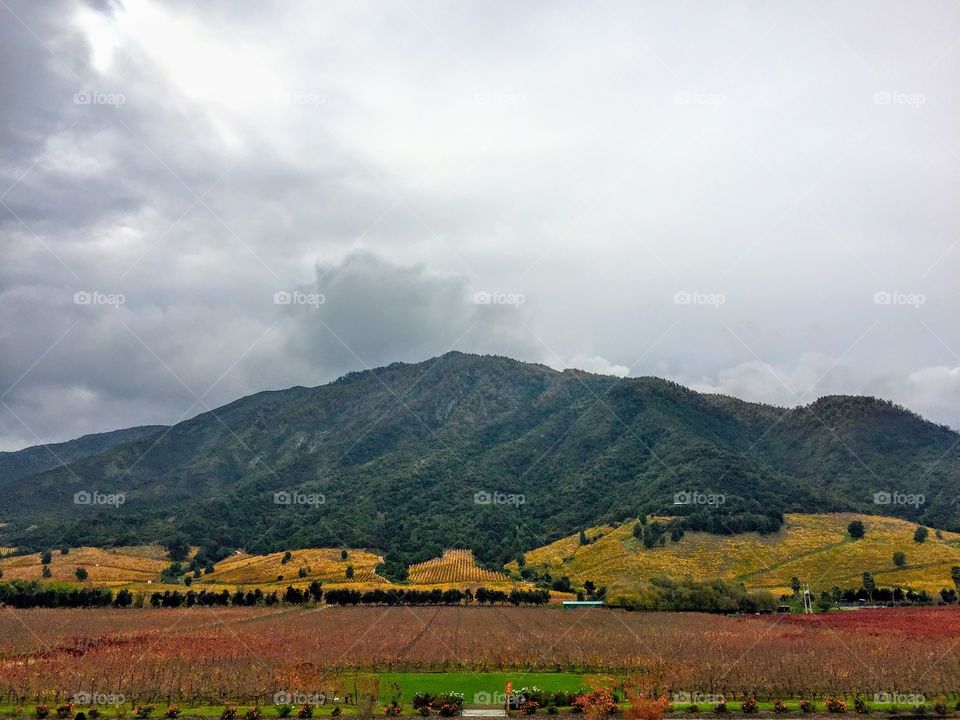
(336, 712)
(836, 705)
(423, 711)
(65, 711)
(721, 708)
(393, 709)
(93, 712)
(808, 706)
(284, 710)
(860, 705)
(552, 710)
(42, 711)
(920, 710)
(749, 705)
(779, 706)
(229, 712)
(646, 708)
(448, 710)
(939, 707)
(253, 714)
(694, 708)
(596, 703)
(305, 711)
(451, 698)
(143, 711)
(529, 707)
(172, 712)
(422, 700)
(80, 716)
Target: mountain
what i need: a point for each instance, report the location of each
(487, 453)
(36, 459)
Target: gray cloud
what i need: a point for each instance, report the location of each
(788, 160)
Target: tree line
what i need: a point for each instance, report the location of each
(31, 594)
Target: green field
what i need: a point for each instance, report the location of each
(471, 684)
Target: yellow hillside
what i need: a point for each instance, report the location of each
(105, 567)
(454, 566)
(323, 564)
(814, 548)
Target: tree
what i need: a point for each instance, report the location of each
(521, 560)
(920, 534)
(177, 548)
(900, 559)
(836, 595)
(45, 557)
(583, 538)
(343, 554)
(46, 571)
(795, 585)
(856, 529)
(869, 585)
(287, 557)
(349, 572)
(81, 574)
(955, 576)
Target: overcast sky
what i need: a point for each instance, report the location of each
(200, 200)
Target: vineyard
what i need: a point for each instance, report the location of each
(325, 564)
(454, 566)
(105, 567)
(248, 654)
(815, 548)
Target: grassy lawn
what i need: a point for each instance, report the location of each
(472, 684)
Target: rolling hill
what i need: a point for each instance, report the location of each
(814, 548)
(480, 452)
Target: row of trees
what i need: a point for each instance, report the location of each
(30, 594)
(453, 596)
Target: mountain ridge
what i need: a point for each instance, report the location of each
(399, 453)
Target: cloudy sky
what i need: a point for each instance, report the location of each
(203, 199)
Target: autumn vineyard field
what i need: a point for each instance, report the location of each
(249, 655)
(455, 566)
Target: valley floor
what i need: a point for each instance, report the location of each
(201, 656)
